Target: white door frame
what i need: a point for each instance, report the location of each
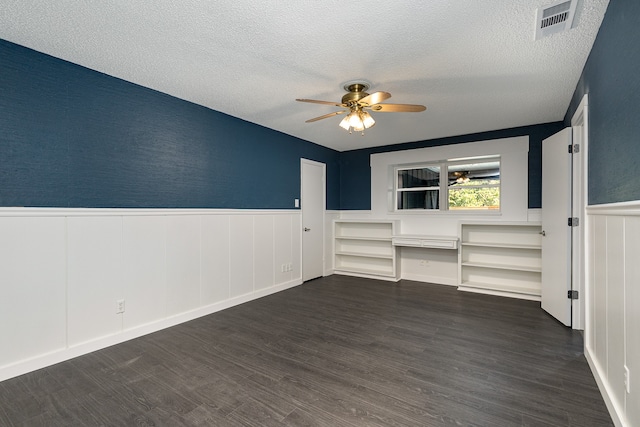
(579, 263)
(324, 208)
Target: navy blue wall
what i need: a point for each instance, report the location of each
(355, 173)
(611, 78)
(72, 137)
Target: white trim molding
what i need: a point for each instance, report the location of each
(617, 209)
(613, 306)
(66, 212)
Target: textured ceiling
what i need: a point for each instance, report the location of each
(474, 64)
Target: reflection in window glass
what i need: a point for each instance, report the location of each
(418, 188)
(422, 177)
(422, 199)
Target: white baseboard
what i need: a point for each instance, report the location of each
(57, 356)
(366, 276)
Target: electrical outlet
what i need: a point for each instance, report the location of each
(627, 379)
(290, 267)
(120, 306)
(424, 262)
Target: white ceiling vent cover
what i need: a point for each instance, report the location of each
(555, 18)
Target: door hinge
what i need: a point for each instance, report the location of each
(574, 148)
(573, 221)
(572, 294)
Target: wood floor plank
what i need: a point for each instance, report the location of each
(336, 351)
(254, 414)
(310, 417)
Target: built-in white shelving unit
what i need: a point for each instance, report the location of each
(501, 258)
(364, 248)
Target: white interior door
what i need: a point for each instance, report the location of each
(556, 240)
(313, 207)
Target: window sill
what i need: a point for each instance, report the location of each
(488, 213)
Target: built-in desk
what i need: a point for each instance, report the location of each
(422, 241)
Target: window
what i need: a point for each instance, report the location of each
(454, 185)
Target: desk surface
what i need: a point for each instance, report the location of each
(425, 241)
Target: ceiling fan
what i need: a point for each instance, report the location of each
(357, 103)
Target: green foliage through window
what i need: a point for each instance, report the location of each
(474, 198)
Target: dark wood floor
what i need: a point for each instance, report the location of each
(336, 351)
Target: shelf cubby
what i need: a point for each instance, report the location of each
(501, 258)
(364, 248)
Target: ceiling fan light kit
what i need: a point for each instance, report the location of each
(356, 103)
(357, 120)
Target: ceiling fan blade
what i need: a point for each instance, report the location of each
(335, 113)
(398, 108)
(375, 98)
(314, 101)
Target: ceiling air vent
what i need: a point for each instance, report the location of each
(555, 18)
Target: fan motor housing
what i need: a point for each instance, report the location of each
(356, 92)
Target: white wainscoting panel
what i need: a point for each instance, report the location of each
(183, 263)
(241, 251)
(263, 261)
(62, 272)
(599, 318)
(215, 258)
(590, 290)
(283, 235)
(632, 315)
(296, 246)
(33, 286)
(145, 273)
(94, 281)
(613, 306)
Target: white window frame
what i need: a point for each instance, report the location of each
(514, 194)
(444, 188)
